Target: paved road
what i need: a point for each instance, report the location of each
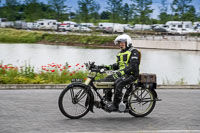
(36, 111)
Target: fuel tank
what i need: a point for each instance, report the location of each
(104, 84)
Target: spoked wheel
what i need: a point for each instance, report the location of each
(141, 102)
(74, 102)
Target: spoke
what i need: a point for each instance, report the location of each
(81, 96)
(82, 105)
(145, 95)
(78, 92)
(141, 93)
(72, 93)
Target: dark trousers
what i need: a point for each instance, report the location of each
(119, 84)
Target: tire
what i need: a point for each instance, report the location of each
(141, 102)
(73, 102)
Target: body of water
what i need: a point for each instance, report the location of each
(169, 65)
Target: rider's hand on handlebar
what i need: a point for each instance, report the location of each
(117, 75)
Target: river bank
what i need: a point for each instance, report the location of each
(23, 36)
(94, 41)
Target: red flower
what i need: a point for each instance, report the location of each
(82, 66)
(52, 70)
(77, 64)
(69, 66)
(64, 67)
(60, 69)
(71, 74)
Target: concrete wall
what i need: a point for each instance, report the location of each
(168, 44)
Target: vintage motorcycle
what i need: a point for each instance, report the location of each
(78, 98)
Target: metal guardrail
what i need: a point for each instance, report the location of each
(167, 38)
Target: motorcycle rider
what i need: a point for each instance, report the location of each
(127, 66)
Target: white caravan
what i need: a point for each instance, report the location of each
(68, 26)
(127, 27)
(47, 24)
(179, 24)
(31, 25)
(111, 27)
(87, 24)
(7, 24)
(180, 27)
(142, 27)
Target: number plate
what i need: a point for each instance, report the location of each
(77, 80)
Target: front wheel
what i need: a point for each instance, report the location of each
(141, 102)
(74, 102)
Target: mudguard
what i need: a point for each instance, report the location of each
(90, 93)
(153, 87)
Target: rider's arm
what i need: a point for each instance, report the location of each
(133, 66)
(112, 67)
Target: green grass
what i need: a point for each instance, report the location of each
(21, 36)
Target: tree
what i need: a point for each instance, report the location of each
(142, 10)
(59, 7)
(105, 15)
(127, 13)
(94, 12)
(164, 17)
(32, 10)
(190, 15)
(182, 8)
(115, 8)
(86, 8)
(10, 10)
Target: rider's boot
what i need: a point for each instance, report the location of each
(114, 106)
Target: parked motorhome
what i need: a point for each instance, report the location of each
(197, 26)
(20, 25)
(47, 24)
(179, 24)
(8, 24)
(68, 26)
(127, 27)
(64, 27)
(87, 24)
(111, 27)
(31, 25)
(181, 27)
(159, 27)
(3, 20)
(141, 27)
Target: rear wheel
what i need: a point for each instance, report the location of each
(74, 102)
(141, 102)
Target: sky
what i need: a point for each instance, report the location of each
(103, 3)
(155, 5)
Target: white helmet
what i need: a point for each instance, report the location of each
(123, 38)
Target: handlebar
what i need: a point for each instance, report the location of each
(94, 68)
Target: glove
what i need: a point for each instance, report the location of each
(117, 75)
